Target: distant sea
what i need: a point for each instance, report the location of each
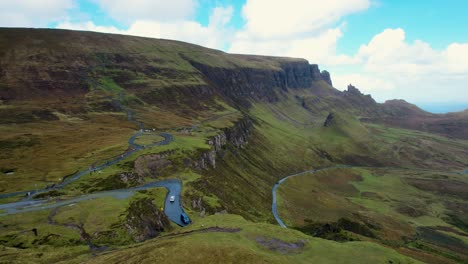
(441, 108)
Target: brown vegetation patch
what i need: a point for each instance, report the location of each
(409, 211)
(213, 229)
(336, 230)
(451, 230)
(371, 195)
(153, 165)
(281, 246)
(439, 239)
(445, 187)
(458, 215)
(423, 256)
(339, 181)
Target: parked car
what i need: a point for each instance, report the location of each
(185, 219)
(172, 198)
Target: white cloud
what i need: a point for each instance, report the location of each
(221, 16)
(33, 13)
(214, 35)
(89, 26)
(128, 11)
(456, 57)
(388, 51)
(390, 67)
(387, 66)
(320, 48)
(296, 28)
(274, 19)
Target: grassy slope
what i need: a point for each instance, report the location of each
(43, 153)
(381, 197)
(283, 142)
(242, 246)
(279, 146)
(49, 132)
(287, 137)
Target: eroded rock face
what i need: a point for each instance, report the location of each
(325, 75)
(144, 220)
(329, 120)
(239, 134)
(206, 158)
(218, 141)
(235, 136)
(352, 90)
(153, 165)
(131, 178)
(241, 84)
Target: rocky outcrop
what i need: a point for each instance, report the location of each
(326, 77)
(235, 136)
(112, 182)
(353, 92)
(197, 205)
(218, 141)
(144, 220)
(363, 103)
(131, 178)
(239, 134)
(153, 165)
(329, 120)
(206, 158)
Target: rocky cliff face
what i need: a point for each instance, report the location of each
(326, 77)
(89, 67)
(364, 103)
(329, 120)
(241, 84)
(144, 220)
(236, 137)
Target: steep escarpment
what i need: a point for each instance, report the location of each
(38, 65)
(45, 63)
(230, 139)
(240, 84)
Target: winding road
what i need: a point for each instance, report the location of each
(274, 206)
(173, 210)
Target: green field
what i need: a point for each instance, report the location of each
(390, 205)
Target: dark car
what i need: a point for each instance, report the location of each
(185, 219)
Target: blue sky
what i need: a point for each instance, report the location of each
(413, 50)
(434, 21)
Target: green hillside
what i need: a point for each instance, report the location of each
(75, 101)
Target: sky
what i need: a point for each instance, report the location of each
(414, 50)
